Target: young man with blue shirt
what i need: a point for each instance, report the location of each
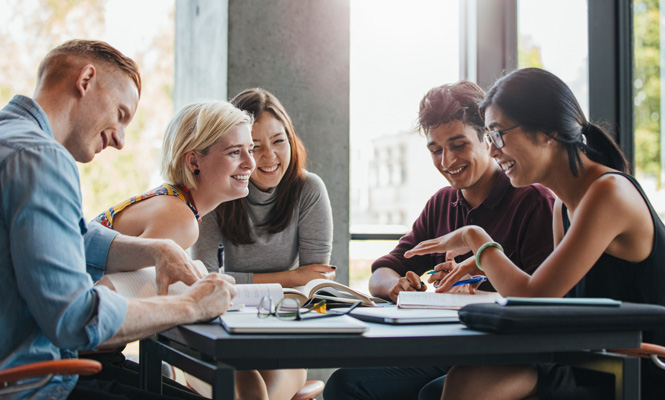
(87, 93)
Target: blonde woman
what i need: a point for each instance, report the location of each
(206, 160)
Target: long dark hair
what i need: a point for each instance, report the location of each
(540, 101)
(234, 220)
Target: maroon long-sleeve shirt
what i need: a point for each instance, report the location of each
(520, 219)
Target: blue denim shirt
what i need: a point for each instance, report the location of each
(49, 257)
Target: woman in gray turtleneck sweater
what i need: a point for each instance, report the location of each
(281, 232)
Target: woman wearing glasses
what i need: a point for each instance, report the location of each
(609, 241)
(282, 231)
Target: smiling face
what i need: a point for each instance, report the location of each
(226, 167)
(524, 155)
(102, 116)
(459, 155)
(272, 152)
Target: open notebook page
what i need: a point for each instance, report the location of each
(141, 283)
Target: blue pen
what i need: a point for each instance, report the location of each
(472, 280)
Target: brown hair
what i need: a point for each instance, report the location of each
(233, 214)
(452, 102)
(99, 51)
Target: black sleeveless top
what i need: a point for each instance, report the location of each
(640, 282)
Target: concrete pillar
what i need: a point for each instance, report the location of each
(201, 51)
(299, 50)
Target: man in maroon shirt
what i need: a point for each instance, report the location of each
(520, 219)
(479, 194)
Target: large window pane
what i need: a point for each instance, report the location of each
(142, 30)
(399, 50)
(648, 91)
(557, 42)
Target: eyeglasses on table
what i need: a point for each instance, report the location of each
(289, 309)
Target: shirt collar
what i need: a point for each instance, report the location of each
(29, 109)
(499, 191)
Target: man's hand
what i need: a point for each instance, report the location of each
(173, 264)
(441, 273)
(457, 272)
(213, 295)
(409, 283)
(204, 300)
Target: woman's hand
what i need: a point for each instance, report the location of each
(306, 273)
(464, 270)
(449, 272)
(457, 241)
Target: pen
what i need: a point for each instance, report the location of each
(432, 272)
(422, 284)
(472, 280)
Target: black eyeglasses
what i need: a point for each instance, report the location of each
(495, 137)
(289, 309)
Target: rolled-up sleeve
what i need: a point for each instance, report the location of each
(98, 240)
(41, 193)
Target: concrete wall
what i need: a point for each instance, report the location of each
(297, 49)
(201, 51)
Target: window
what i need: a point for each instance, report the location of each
(648, 91)
(399, 50)
(143, 31)
(542, 42)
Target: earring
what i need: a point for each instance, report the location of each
(549, 142)
(197, 171)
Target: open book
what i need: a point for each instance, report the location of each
(332, 292)
(141, 283)
(445, 301)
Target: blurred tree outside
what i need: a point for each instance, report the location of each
(528, 53)
(30, 28)
(647, 89)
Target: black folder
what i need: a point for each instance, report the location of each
(498, 318)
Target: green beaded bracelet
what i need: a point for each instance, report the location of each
(482, 248)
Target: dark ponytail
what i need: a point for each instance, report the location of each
(602, 149)
(541, 102)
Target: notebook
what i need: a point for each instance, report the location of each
(445, 301)
(397, 316)
(248, 322)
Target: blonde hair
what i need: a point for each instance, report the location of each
(196, 127)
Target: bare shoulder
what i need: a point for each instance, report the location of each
(615, 190)
(624, 209)
(165, 217)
